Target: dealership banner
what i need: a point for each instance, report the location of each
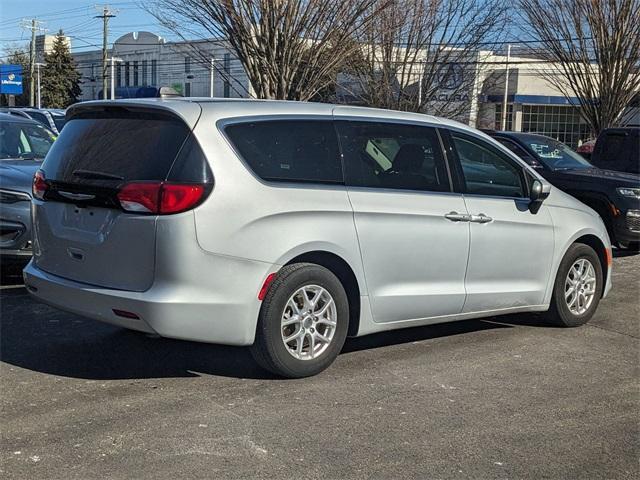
(11, 79)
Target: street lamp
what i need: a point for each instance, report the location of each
(39, 98)
(212, 68)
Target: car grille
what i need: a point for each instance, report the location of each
(633, 220)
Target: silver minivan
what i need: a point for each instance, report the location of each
(289, 226)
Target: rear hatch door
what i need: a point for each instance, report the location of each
(80, 232)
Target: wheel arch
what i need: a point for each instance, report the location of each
(341, 269)
(601, 250)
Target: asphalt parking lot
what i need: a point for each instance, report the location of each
(500, 398)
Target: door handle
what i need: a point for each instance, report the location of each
(457, 217)
(480, 218)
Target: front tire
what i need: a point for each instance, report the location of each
(578, 287)
(303, 322)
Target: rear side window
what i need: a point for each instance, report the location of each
(289, 150)
(618, 151)
(389, 155)
(113, 146)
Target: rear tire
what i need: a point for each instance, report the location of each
(578, 287)
(303, 322)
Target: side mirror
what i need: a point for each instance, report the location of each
(539, 191)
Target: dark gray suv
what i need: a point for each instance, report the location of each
(23, 145)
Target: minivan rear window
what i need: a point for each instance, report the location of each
(114, 146)
(289, 150)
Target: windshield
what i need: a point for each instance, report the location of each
(24, 141)
(555, 155)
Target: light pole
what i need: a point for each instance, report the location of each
(506, 90)
(421, 65)
(213, 67)
(39, 97)
(113, 77)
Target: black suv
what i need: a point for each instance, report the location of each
(614, 195)
(618, 149)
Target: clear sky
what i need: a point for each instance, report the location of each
(76, 18)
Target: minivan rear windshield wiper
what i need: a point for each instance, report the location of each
(89, 174)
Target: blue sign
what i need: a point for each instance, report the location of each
(11, 79)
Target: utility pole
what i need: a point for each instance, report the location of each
(32, 25)
(113, 76)
(506, 90)
(106, 15)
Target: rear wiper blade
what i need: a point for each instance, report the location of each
(89, 174)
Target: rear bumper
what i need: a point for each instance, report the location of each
(216, 312)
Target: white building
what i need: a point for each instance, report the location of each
(146, 59)
(44, 45)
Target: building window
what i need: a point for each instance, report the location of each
(187, 89)
(135, 73)
(498, 117)
(187, 65)
(227, 72)
(154, 72)
(127, 74)
(144, 73)
(562, 122)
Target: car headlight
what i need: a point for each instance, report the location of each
(629, 192)
(10, 196)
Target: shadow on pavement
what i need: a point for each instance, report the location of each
(620, 253)
(38, 338)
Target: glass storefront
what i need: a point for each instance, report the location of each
(562, 122)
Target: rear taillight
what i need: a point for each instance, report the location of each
(39, 186)
(160, 198)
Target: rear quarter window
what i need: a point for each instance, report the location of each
(289, 150)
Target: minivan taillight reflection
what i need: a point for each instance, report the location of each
(160, 198)
(39, 186)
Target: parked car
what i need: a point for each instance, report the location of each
(23, 145)
(52, 118)
(614, 195)
(288, 226)
(618, 149)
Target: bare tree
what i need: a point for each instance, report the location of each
(596, 47)
(425, 55)
(290, 49)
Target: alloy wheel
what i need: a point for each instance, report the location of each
(580, 286)
(308, 322)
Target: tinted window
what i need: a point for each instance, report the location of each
(114, 145)
(486, 171)
(24, 140)
(387, 155)
(59, 121)
(289, 150)
(40, 117)
(618, 151)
